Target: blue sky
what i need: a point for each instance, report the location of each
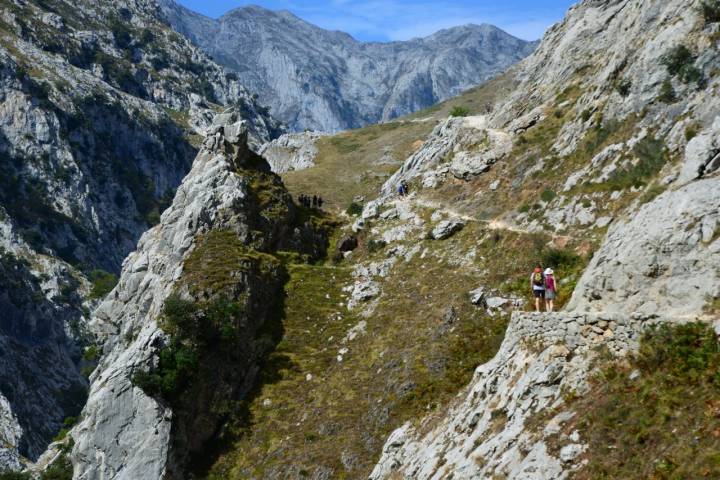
(384, 20)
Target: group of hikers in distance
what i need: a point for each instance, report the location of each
(544, 287)
(307, 201)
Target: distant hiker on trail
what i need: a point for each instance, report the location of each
(537, 283)
(314, 201)
(320, 202)
(550, 290)
(403, 188)
(301, 200)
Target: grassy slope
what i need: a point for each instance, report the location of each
(663, 424)
(348, 164)
(404, 365)
(413, 359)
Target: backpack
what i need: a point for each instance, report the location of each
(550, 282)
(538, 279)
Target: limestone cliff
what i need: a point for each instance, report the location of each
(212, 250)
(101, 107)
(328, 81)
(613, 123)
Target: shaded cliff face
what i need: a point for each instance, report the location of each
(101, 107)
(196, 309)
(327, 81)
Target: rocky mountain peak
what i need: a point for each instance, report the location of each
(328, 81)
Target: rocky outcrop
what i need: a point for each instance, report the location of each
(131, 432)
(600, 70)
(666, 258)
(486, 432)
(328, 81)
(101, 105)
(293, 151)
(465, 147)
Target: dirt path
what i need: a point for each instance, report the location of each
(495, 224)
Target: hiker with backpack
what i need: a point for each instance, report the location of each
(550, 289)
(537, 284)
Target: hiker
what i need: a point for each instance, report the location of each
(405, 187)
(314, 201)
(320, 202)
(537, 283)
(301, 200)
(401, 192)
(550, 290)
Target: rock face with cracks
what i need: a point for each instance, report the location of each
(658, 263)
(92, 148)
(125, 432)
(328, 81)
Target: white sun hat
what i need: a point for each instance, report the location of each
(549, 271)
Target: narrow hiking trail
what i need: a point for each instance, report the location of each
(494, 224)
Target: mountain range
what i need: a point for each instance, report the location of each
(327, 81)
(169, 309)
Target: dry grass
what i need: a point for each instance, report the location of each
(350, 163)
(665, 424)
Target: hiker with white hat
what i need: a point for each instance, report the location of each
(550, 290)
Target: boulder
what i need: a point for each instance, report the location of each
(477, 296)
(702, 154)
(446, 229)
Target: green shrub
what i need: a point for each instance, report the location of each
(91, 353)
(679, 62)
(375, 245)
(548, 195)
(667, 92)
(354, 209)
(691, 131)
(68, 423)
(206, 89)
(194, 330)
(61, 469)
(524, 208)
(662, 422)
(121, 34)
(623, 88)
(651, 193)
(586, 114)
(10, 475)
(677, 58)
(562, 258)
(102, 283)
(710, 10)
(459, 111)
(652, 156)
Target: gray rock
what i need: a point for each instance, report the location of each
(328, 81)
(291, 152)
(123, 432)
(656, 261)
(496, 302)
(477, 296)
(568, 453)
(446, 229)
(702, 154)
(363, 290)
